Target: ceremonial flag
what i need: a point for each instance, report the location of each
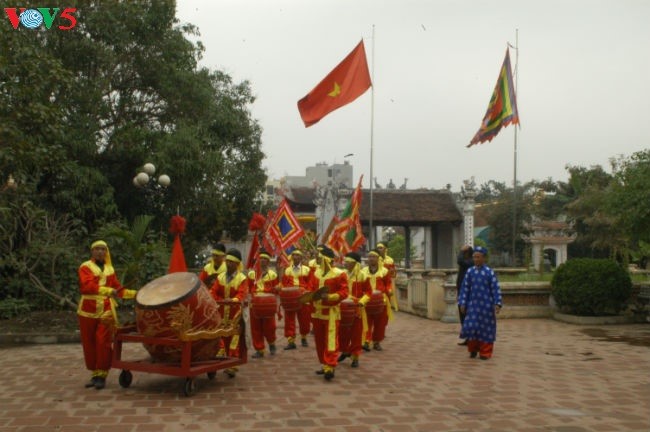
(349, 80)
(502, 109)
(347, 235)
(284, 229)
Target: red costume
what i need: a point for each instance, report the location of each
(263, 328)
(99, 287)
(351, 337)
(380, 281)
(297, 276)
(234, 288)
(327, 313)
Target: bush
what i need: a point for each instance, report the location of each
(11, 307)
(591, 287)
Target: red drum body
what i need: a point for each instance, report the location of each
(263, 305)
(173, 304)
(348, 312)
(376, 303)
(289, 298)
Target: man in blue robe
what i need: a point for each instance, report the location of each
(480, 301)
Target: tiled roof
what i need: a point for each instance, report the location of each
(409, 207)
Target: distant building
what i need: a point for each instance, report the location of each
(323, 174)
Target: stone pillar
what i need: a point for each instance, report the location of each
(451, 302)
(469, 193)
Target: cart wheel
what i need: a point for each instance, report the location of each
(211, 375)
(126, 377)
(190, 387)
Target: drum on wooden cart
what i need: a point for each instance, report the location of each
(178, 323)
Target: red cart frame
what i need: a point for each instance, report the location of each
(186, 368)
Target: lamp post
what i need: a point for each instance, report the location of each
(153, 187)
(390, 233)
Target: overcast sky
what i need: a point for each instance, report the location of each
(583, 88)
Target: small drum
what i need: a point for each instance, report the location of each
(290, 298)
(348, 312)
(376, 304)
(177, 302)
(263, 305)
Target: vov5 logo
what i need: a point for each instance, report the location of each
(34, 18)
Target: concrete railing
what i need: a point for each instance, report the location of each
(432, 294)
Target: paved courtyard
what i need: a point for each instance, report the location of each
(544, 376)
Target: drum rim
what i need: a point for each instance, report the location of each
(182, 298)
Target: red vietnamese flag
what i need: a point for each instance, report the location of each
(349, 80)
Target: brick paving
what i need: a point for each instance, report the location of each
(544, 376)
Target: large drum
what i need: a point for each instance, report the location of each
(263, 305)
(173, 304)
(376, 303)
(290, 298)
(348, 312)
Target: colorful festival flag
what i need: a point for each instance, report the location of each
(349, 80)
(347, 235)
(284, 229)
(502, 109)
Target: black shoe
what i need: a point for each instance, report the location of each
(100, 383)
(272, 349)
(355, 363)
(366, 347)
(329, 375)
(304, 343)
(342, 357)
(320, 372)
(258, 354)
(483, 357)
(473, 354)
(91, 383)
(230, 372)
(463, 342)
(291, 346)
(377, 347)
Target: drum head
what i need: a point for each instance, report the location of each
(167, 290)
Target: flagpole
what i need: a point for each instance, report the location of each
(372, 129)
(514, 198)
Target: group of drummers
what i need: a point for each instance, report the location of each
(347, 310)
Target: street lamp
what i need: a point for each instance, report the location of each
(152, 187)
(390, 233)
(143, 178)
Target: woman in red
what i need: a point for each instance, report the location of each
(99, 288)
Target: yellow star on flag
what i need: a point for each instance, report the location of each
(336, 91)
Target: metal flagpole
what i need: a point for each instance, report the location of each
(372, 129)
(514, 187)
